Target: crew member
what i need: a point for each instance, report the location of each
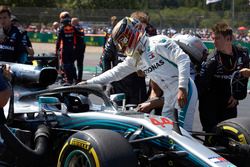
(80, 48)
(216, 102)
(10, 44)
(66, 42)
(26, 43)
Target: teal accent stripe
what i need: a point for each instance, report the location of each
(115, 126)
(83, 123)
(170, 62)
(183, 111)
(73, 120)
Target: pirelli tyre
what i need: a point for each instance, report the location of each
(97, 148)
(236, 128)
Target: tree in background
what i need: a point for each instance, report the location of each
(164, 13)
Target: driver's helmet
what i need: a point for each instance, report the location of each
(192, 45)
(126, 35)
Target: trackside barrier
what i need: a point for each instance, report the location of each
(90, 39)
(99, 39)
(210, 44)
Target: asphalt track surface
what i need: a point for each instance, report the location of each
(91, 60)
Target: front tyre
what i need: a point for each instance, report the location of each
(237, 129)
(97, 148)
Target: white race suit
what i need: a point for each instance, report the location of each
(165, 63)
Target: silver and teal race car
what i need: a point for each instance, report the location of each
(79, 126)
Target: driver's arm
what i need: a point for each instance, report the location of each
(147, 106)
(115, 74)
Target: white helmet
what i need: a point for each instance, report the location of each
(127, 34)
(192, 45)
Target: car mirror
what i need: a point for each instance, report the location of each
(49, 104)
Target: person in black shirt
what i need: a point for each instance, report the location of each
(113, 22)
(66, 42)
(10, 44)
(80, 47)
(216, 102)
(26, 43)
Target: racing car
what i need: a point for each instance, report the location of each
(64, 127)
(81, 126)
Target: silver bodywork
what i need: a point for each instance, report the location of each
(106, 116)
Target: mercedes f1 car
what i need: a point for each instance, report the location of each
(75, 126)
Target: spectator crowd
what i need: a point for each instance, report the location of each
(203, 33)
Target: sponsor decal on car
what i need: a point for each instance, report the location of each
(217, 159)
(80, 143)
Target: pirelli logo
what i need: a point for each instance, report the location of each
(80, 143)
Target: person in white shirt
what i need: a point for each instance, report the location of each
(162, 60)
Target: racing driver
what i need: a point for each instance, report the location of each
(162, 60)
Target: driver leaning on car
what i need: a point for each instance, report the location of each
(161, 60)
